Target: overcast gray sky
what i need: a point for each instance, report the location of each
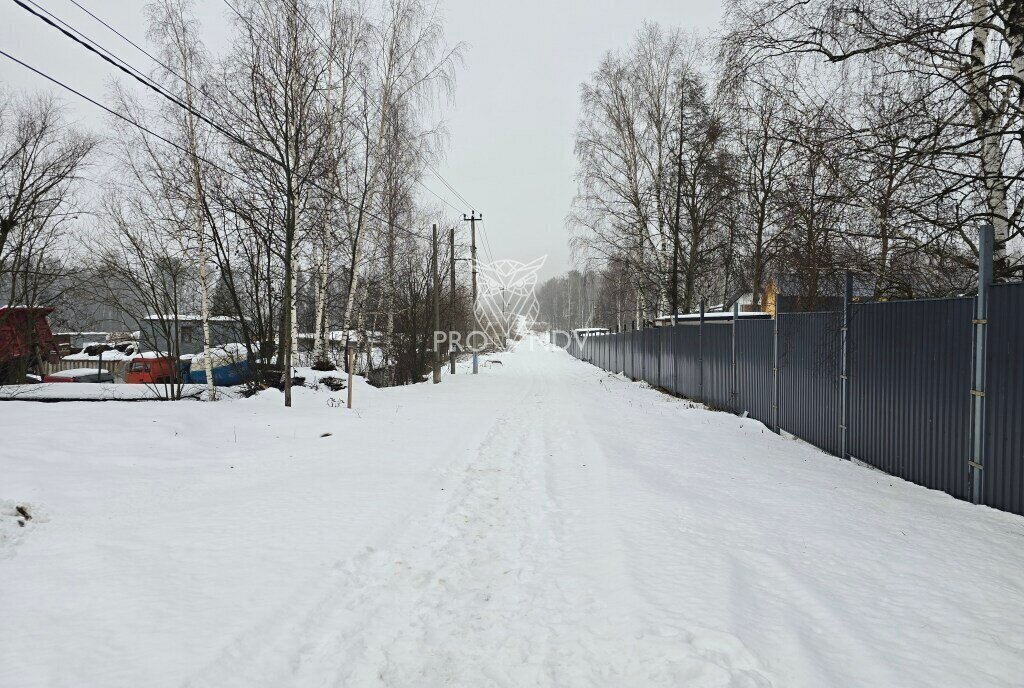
(516, 103)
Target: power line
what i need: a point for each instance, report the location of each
(380, 110)
(125, 67)
(164, 139)
(138, 75)
(486, 242)
(129, 42)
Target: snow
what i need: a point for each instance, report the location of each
(221, 355)
(712, 315)
(540, 524)
(111, 355)
(87, 391)
(189, 317)
(77, 373)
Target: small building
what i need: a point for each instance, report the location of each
(183, 334)
(25, 342)
(590, 331)
(786, 292)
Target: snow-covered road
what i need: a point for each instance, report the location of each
(541, 524)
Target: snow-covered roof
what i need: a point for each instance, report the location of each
(716, 315)
(340, 336)
(192, 318)
(590, 330)
(109, 355)
(77, 373)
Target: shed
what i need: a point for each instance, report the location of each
(25, 341)
(184, 333)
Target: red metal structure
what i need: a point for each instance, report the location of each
(25, 338)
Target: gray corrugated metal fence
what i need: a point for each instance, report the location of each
(1003, 475)
(755, 343)
(910, 382)
(810, 362)
(717, 357)
(686, 353)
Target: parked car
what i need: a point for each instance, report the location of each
(151, 370)
(80, 375)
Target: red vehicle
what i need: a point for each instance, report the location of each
(150, 370)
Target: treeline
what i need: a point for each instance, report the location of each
(275, 182)
(801, 140)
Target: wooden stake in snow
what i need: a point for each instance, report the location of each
(348, 353)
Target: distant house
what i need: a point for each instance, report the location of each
(184, 333)
(709, 317)
(787, 293)
(25, 341)
(590, 331)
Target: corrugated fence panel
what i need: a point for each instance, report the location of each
(910, 382)
(755, 357)
(627, 355)
(636, 352)
(620, 353)
(667, 362)
(686, 352)
(717, 357)
(810, 350)
(652, 361)
(1003, 474)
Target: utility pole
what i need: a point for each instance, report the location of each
(472, 220)
(437, 313)
(451, 314)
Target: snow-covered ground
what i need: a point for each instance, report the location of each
(540, 524)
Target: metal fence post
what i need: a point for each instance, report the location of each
(700, 355)
(980, 322)
(775, 372)
(735, 370)
(844, 427)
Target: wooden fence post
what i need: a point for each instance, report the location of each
(351, 365)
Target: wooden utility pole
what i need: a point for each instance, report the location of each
(451, 314)
(472, 220)
(437, 312)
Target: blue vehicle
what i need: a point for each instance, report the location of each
(229, 363)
